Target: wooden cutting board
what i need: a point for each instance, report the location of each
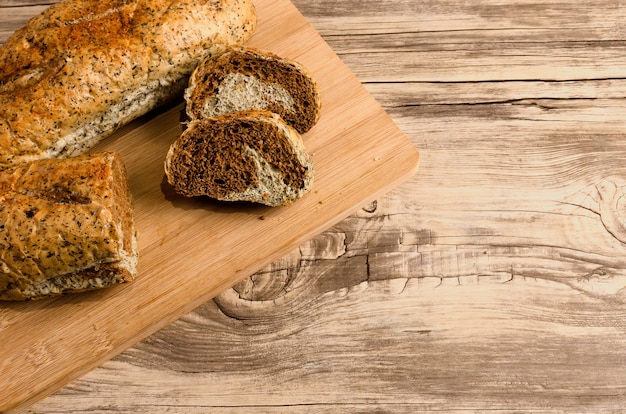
(193, 249)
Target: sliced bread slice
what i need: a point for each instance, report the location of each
(242, 156)
(242, 78)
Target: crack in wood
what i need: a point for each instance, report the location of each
(517, 101)
(510, 80)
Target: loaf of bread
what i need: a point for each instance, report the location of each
(242, 156)
(241, 78)
(66, 225)
(82, 68)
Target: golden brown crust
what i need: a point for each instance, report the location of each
(97, 277)
(64, 218)
(68, 66)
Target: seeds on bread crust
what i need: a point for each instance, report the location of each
(82, 68)
(66, 225)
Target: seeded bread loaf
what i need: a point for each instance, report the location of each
(241, 78)
(242, 156)
(66, 225)
(82, 68)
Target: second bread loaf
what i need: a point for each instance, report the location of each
(66, 225)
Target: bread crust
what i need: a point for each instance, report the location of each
(81, 69)
(66, 225)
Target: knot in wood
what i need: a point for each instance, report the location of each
(612, 206)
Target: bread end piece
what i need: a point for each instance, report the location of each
(243, 78)
(66, 226)
(243, 156)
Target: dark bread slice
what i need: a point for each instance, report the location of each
(242, 78)
(242, 156)
(66, 225)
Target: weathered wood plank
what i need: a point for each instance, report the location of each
(430, 351)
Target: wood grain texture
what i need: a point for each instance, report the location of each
(494, 280)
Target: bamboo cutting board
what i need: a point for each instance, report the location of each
(193, 249)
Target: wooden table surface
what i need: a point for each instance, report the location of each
(493, 280)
